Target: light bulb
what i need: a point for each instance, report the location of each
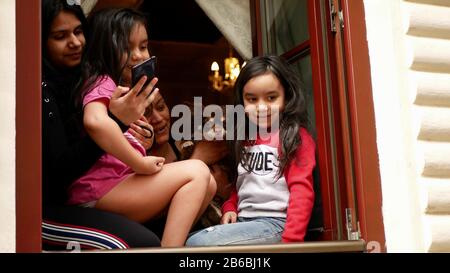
(214, 66)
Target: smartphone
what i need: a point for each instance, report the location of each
(146, 68)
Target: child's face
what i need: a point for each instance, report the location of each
(66, 41)
(263, 98)
(138, 47)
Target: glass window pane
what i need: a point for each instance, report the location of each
(303, 66)
(284, 25)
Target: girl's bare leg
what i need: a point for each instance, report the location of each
(181, 186)
(210, 193)
(179, 206)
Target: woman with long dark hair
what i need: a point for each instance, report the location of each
(67, 152)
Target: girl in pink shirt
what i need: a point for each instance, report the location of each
(125, 180)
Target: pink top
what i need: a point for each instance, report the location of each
(108, 171)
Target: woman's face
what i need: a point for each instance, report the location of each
(66, 41)
(158, 115)
(138, 47)
(263, 98)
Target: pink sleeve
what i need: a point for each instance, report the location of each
(102, 91)
(300, 183)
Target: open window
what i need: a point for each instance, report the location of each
(320, 39)
(294, 29)
(302, 32)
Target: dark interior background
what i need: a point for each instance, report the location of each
(186, 42)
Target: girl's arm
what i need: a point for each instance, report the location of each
(231, 203)
(300, 183)
(108, 135)
(229, 209)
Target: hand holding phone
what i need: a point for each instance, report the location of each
(146, 68)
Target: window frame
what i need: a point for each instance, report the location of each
(367, 171)
(368, 186)
(314, 46)
(28, 127)
(334, 59)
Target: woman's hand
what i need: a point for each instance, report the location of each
(229, 217)
(129, 105)
(210, 152)
(143, 132)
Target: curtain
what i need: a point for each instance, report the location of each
(232, 18)
(88, 5)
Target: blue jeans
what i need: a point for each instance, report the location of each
(259, 230)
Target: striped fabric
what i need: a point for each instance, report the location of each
(87, 238)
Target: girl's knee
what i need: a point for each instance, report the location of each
(218, 235)
(212, 186)
(199, 169)
(201, 238)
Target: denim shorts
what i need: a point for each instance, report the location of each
(258, 230)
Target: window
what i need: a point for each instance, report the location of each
(308, 48)
(301, 32)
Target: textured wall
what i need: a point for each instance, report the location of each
(7, 121)
(409, 44)
(427, 27)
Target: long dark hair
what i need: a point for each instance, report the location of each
(51, 9)
(109, 35)
(292, 118)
